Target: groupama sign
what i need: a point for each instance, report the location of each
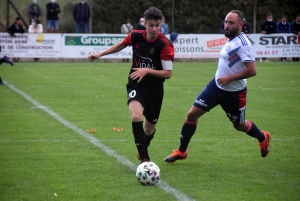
(92, 40)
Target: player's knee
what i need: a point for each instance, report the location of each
(136, 117)
(149, 131)
(239, 127)
(192, 116)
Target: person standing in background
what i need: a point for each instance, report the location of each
(283, 26)
(141, 24)
(34, 11)
(16, 27)
(52, 16)
(82, 16)
(295, 28)
(164, 28)
(246, 27)
(126, 29)
(36, 27)
(268, 27)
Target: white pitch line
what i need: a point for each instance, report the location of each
(96, 142)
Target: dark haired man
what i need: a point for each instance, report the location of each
(152, 58)
(268, 27)
(16, 27)
(227, 89)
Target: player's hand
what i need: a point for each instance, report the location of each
(139, 73)
(92, 57)
(223, 80)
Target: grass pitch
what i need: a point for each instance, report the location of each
(41, 159)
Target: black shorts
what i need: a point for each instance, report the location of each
(150, 97)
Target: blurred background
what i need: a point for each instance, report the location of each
(182, 16)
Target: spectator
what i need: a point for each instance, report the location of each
(222, 27)
(126, 29)
(246, 27)
(141, 24)
(82, 16)
(35, 27)
(164, 28)
(295, 28)
(34, 11)
(268, 27)
(283, 26)
(16, 27)
(52, 16)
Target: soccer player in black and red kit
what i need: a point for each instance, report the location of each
(152, 61)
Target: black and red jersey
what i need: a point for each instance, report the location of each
(148, 54)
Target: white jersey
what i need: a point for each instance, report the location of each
(232, 57)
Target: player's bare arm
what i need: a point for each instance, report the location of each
(115, 48)
(248, 72)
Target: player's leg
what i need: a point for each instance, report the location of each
(149, 129)
(136, 111)
(206, 100)
(234, 104)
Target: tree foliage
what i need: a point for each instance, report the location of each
(190, 16)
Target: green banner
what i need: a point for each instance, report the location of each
(92, 40)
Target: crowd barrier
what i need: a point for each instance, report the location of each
(186, 45)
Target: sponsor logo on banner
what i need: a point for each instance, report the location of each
(40, 39)
(215, 45)
(279, 40)
(92, 40)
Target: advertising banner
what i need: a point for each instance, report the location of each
(82, 45)
(209, 45)
(186, 45)
(31, 45)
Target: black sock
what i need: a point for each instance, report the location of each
(253, 131)
(140, 140)
(149, 138)
(187, 131)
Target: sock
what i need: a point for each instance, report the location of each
(140, 140)
(253, 131)
(149, 138)
(187, 131)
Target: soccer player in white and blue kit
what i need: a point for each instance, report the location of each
(227, 89)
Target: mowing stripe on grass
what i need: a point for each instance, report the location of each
(123, 160)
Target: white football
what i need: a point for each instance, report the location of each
(148, 173)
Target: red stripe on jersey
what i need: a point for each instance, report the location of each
(167, 52)
(242, 99)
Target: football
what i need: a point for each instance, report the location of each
(148, 173)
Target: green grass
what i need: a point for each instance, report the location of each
(40, 157)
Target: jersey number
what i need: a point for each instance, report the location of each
(132, 94)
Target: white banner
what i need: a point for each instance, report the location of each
(186, 45)
(209, 45)
(31, 45)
